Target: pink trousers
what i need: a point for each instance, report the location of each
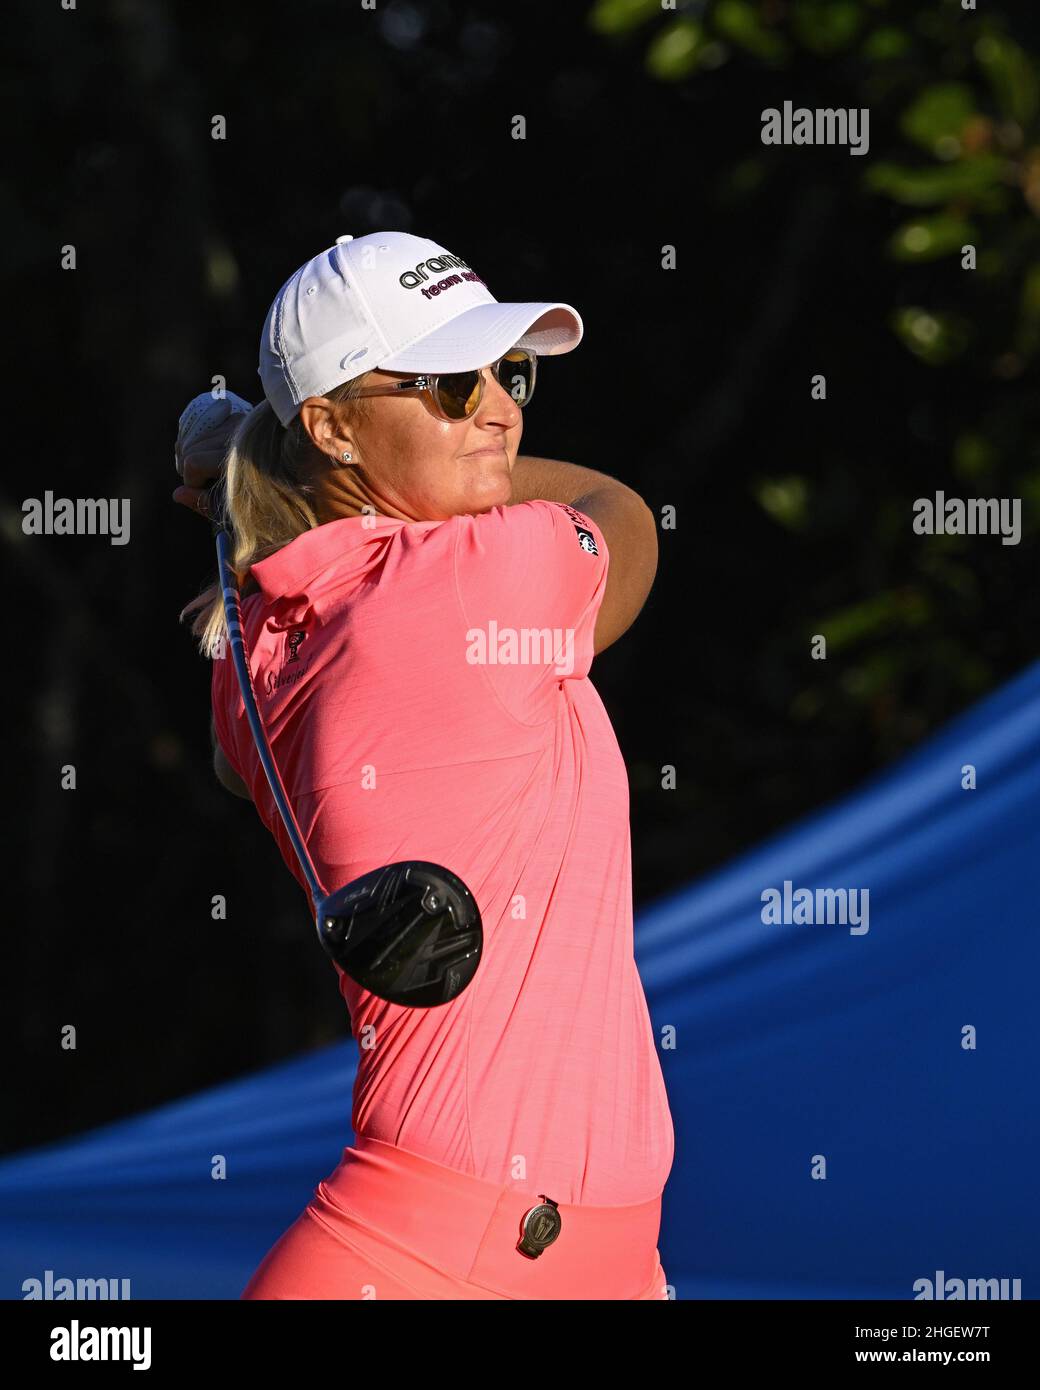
(387, 1223)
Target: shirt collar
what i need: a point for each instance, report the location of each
(348, 543)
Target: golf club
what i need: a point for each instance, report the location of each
(409, 932)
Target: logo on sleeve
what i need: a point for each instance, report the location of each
(586, 539)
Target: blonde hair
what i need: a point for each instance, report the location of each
(265, 498)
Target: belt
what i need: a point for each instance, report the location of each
(494, 1234)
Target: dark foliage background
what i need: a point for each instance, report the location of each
(793, 516)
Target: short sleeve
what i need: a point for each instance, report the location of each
(530, 581)
(219, 692)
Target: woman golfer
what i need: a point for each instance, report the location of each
(422, 606)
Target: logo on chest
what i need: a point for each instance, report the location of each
(285, 677)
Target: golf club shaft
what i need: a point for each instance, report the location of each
(233, 616)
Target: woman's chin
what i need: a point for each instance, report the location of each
(493, 491)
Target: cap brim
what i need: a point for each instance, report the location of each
(482, 334)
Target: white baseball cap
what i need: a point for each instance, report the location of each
(399, 302)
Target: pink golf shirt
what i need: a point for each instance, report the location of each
(425, 689)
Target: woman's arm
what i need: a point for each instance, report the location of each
(555, 481)
(627, 523)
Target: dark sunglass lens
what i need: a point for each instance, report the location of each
(459, 392)
(516, 375)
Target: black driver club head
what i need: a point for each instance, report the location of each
(409, 932)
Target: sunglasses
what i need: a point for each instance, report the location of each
(456, 395)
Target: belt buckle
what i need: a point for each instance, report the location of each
(539, 1227)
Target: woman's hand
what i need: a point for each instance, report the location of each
(203, 434)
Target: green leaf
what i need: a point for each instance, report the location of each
(676, 51)
(1012, 75)
(906, 608)
(785, 499)
(743, 178)
(973, 456)
(934, 338)
(877, 675)
(826, 26)
(622, 16)
(939, 114)
(738, 21)
(1031, 292)
(927, 238)
(977, 179)
(222, 274)
(885, 44)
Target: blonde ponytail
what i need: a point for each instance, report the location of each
(265, 501)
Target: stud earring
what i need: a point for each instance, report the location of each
(347, 455)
